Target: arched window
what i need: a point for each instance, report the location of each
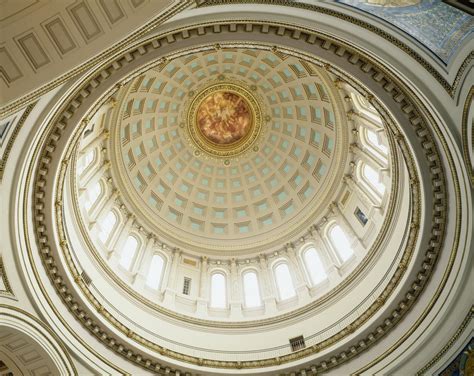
(218, 291)
(365, 108)
(374, 141)
(92, 195)
(251, 290)
(284, 282)
(340, 242)
(85, 161)
(155, 272)
(314, 266)
(106, 226)
(128, 252)
(372, 177)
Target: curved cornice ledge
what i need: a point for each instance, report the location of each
(409, 112)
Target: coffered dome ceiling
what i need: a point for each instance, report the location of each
(196, 170)
(230, 196)
(242, 193)
(230, 158)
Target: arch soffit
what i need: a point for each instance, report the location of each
(22, 321)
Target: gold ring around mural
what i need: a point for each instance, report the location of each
(224, 119)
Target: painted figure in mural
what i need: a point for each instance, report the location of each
(224, 117)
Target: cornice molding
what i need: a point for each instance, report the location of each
(377, 74)
(465, 323)
(465, 135)
(392, 130)
(269, 254)
(11, 140)
(11, 317)
(8, 292)
(450, 88)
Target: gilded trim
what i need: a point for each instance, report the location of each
(454, 247)
(449, 88)
(392, 130)
(416, 117)
(45, 327)
(127, 188)
(465, 135)
(11, 140)
(8, 290)
(449, 344)
(26, 201)
(234, 149)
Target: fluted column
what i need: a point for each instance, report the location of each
(330, 249)
(235, 285)
(367, 157)
(100, 210)
(359, 245)
(365, 197)
(95, 142)
(94, 176)
(82, 171)
(118, 240)
(300, 282)
(367, 121)
(330, 265)
(143, 263)
(172, 281)
(203, 298)
(334, 207)
(267, 286)
(235, 295)
(177, 254)
(203, 293)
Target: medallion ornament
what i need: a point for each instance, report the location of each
(224, 119)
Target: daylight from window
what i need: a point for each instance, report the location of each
(284, 282)
(251, 290)
(218, 293)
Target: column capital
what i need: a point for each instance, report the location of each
(289, 248)
(348, 177)
(334, 207)
(351, 114)
(176, 252)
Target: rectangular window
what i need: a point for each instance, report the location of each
(187, 286)
(297, 343)
(361, 216)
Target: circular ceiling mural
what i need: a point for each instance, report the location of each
(229, 150)
(224, 117)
